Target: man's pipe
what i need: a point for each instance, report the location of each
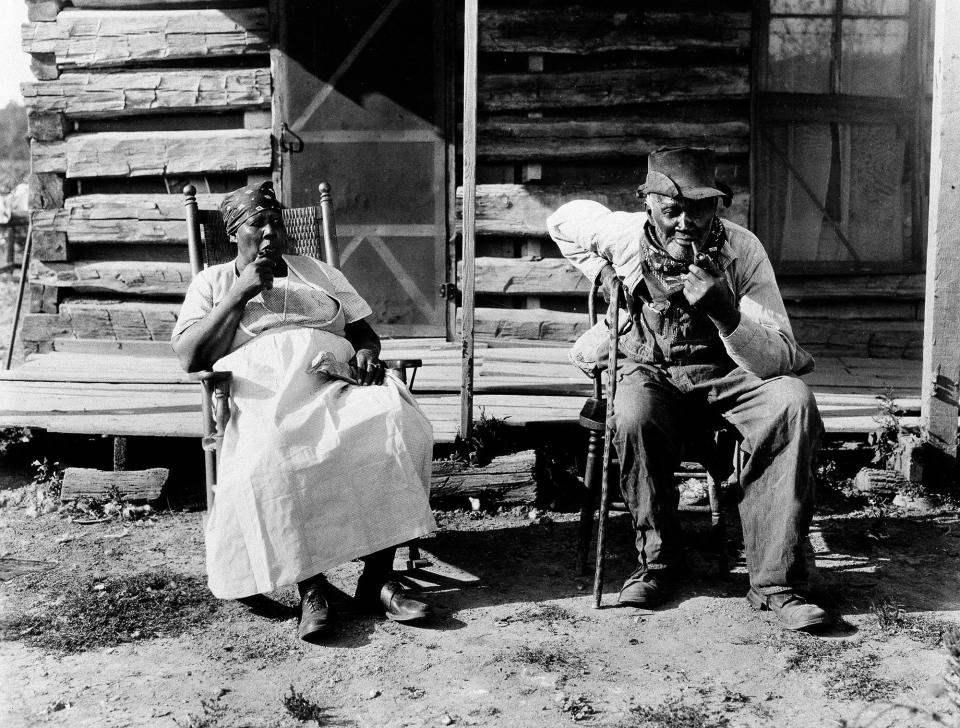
(613, 320)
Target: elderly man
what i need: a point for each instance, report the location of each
(707, 337)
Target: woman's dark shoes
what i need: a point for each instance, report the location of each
(645, 588)
(314, 613)
(388, 598)
(792, 609)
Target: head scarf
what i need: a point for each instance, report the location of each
(240, 205)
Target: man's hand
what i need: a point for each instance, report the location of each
(609, 283)
(369, 367)
(255, 277)
(706, 288)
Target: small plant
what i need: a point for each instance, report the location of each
(892, 619)
(213, 713)
(45, 487)
(885, 438)
(484, 443)
(302, 708)
(13, 439)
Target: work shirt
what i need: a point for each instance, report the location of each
(591, 236)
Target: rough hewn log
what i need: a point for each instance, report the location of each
(142, 278)
(133, 154)
(522, 210)
(46, 127)
(582, 28)
(44, 9)
(529, 323)
(49, 245)
(87, 38)
(152, 4)
(118, 93)
(512, 91)
(121, 218)
(907, 286)
(508, 478)
(523, 138)
(92, 319)
(132, 485)
(46, 191)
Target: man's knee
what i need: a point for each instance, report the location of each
(796, 405)
(636, 416)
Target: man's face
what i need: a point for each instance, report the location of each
(262, 234)
(681, 222)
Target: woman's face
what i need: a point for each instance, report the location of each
(262, 234)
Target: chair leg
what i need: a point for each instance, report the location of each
(718, 531)
(414, 559)
(585, 530)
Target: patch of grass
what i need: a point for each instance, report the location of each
(578, 707)
(893, 620)
(857, 679)
(302, 708)
(485, 442)
(543, 613)
(808, 653)
(549, 658)
(673, 714)
(94, 613)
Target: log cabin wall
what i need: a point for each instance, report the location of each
(133, 100)
(572, 97)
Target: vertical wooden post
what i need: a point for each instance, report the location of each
(469, 211)
(941, 326)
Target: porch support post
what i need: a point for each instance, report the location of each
(941, 334)
(469, 211)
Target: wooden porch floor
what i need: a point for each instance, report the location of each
(82, 388)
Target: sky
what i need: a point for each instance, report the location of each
(14, 63)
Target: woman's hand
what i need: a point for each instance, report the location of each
(256, 276)
(369, 368)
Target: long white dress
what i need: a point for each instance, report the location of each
(313, 472)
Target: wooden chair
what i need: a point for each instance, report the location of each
(717, 443)
(310, 231)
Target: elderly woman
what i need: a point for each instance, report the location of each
(314, 471)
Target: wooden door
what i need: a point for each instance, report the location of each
(360, 83)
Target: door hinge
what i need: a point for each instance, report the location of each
(447, 291)
(289, 141)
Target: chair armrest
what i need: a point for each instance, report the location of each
(211, 377)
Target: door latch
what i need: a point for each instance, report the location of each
(448, 291)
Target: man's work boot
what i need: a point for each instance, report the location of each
(314, 610)
(388, 598)
(792, 609)
(645, 588)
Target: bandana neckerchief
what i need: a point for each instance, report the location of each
(661, 271)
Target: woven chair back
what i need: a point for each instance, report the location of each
(304, 226)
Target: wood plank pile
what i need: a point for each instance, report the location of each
(132, 101)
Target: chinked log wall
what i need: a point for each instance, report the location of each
(572, 96)
(132, 100)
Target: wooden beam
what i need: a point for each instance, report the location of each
(123, 218)
(109, 93)
(522, 138)
(507, 478)
(46, 127)
(500, 92)
(134, 154)
(152, 4)
(141, 278)
(522, 210)
(582, 28)
(941, 336)
(91, 38)
(469, 214)
(133, 485)
(45, 191)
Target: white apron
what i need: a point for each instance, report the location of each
(313, 473)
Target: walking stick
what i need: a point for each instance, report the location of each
(613, 320)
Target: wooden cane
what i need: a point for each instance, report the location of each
(613, 319)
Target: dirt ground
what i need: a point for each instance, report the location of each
(516, 641)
